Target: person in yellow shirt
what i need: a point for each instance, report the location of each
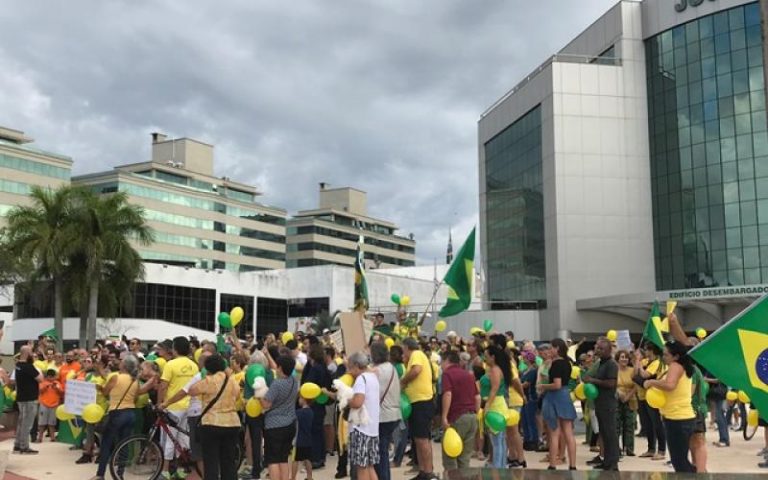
(176, 374)
(516, 402)
(678, 413)
(417, 385)
(649, 415)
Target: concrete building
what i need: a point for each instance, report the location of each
(629, 167)
(329, 234)
(23, 166)
(200, 220)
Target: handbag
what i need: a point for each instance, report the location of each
(199, 423)
(101, 427)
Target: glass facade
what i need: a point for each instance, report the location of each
(31, 166)
(271, 316)
(228, 301)
(514, 215)
(18, 188)
(709, 151)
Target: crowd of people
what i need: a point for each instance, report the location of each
(372, 405)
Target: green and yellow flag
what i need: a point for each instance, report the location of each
(737, 353)
(654, 327)
(361, 284)
(50, 333)
(459, 279)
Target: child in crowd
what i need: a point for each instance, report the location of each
(50, 396)
(304, 416)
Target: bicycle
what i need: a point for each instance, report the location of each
(140, 457)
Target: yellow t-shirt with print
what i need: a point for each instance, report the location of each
(654, 368)
(178, 372)
(420, 388)
(515, 399)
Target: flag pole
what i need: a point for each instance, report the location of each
(431, 301)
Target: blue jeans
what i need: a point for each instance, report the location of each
(386, 430)
(499, 443)
(530, 430)
(401, 442)
(678, 434)
(119, 426)
(722, 425)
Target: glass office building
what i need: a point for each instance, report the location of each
(514, 215)
(709, 151)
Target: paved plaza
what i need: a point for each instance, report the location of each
(56, 461)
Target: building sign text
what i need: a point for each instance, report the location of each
(683, 4)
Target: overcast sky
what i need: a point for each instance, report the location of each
(382, 95)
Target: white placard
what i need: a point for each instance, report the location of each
(337, 338)
(623, 340)
(78, 395)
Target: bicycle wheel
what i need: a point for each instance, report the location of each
(136, 458)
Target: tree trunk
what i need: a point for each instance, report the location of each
(83, 327)
(93, 304)
(58, 313)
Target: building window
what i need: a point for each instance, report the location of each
(515, 212)
(271, 316)
(709, 151)
(307, 307)
(31, 166)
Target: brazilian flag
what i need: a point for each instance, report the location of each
(361, 284)
(654, 327)
(459, 279)
(737, 353)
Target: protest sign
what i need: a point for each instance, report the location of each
(79, 394)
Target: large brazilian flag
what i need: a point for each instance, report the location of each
(459, 279)
(737, 353)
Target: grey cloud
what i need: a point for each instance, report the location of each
(381, 95)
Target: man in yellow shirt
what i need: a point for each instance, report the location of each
(176, 374)
(417, 385)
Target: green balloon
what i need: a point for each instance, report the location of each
(704, 388)
(539, 361)
(522, 366)
(590, 391)
(395, 299)
(405, 406)
(487, 325)
(224, 320)
(321, 399)
(253, 372)
(496, 422)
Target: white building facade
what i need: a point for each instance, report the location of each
(628, 168)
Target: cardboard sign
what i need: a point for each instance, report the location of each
(353, 331)
(79, 394)
(623, 340)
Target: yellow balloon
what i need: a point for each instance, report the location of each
(197, 354)
(656, 398)
(93, 413)
(701, 334)
(7, 390)
(440, 326)
(71, 375)
(731, 396)
(475, 330)
(575, 372)
(310, 391)
(452, 444)
(753, 418)
(405, 300)
(62, 414)
(513, 418)
(236, 315)
(253, 407)
(611, 335)
(389, 342)
(286, 337)
(339, 360)
(347, 380)
(510, 345)
(743, 397)
(579, 392)
(573, 397)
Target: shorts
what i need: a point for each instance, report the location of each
(47, 416)
(420, 423)
(195, 443)
(700, 423)
(278, 443)
(363, 450)
(178, 417)
(330, 414)
(303, 453)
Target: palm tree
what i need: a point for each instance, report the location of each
(107, 226)
(325, 320)
(41, 237)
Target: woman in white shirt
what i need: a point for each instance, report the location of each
(364, 438)
(389, 419)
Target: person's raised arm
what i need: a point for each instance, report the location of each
(677, 330)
